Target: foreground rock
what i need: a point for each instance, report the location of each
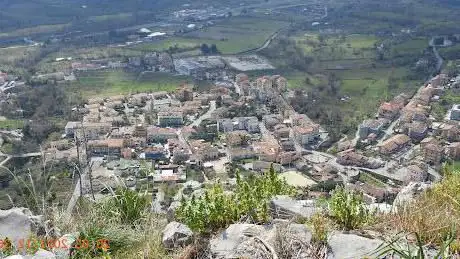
(284, 207)
(350, 246)
(19, 223)
(40, 254)
(410, 192)
(176, 235)
(256, 241)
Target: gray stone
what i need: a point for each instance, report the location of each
(66, 240)
(171, 213)
(15, 257)
(350, 246)
(284, 207)
(244, 240)
(410, 192)
(43, 254)
(176, 235)
(224, 245)
(380, 208)
(18, 223)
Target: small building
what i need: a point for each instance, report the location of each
(418, 130)
(281, 131)
(389, 110)
(453, 151)
(432, 153)
(155, 153)
(306, 135)
(262, 166)
(171, 118)
(450, 132)
(455, 112)
(204, 150)
(271, 120)
(107, 147)
(241, 153)
(371, 126)
(394, 144)
(160, 135)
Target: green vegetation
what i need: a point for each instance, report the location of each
(230, 36)
(106, 83)
(11, 124)
(217, 209)
(441, 203)
(319, 225)
(348, 210)
(406, 251)
(367, 178)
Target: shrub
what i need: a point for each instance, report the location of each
(128, 205)
(217, 209)
(319, 226)
(348, 209)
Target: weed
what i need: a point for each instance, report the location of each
(348, 209)
(319, 225)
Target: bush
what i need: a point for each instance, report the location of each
(217, 209)
(128, 205)
(319, 227)
(348, 209)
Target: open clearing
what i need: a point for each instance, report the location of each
(107, 83)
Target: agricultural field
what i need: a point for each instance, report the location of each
(106, 83)
(325, 48)
(230, 36)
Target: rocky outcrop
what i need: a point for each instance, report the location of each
(350, 246)
(284, 207)
(176, 235)
(19, 223)
(410, 192)
(256, 241)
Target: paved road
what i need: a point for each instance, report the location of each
(388, 132)
(207, 115)
(9, 157)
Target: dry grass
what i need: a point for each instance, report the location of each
(143, 239)
(432, 216)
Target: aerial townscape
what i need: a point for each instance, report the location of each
(241, 129)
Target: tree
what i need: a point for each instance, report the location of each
(205, 48)
(214, 49)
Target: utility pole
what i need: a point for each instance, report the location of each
(88, 163)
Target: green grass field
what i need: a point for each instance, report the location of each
(230, 36)
(11, 124)
(333, 48)
(107, 83)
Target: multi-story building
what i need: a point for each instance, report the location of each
(171, 118)
(432, 153)
(160, 135)
(394, 144)
(306, 134)
(107, 147)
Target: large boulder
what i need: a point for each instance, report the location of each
(350, 246)
(410, 192)
(19, 223)
(224, 245)
(256, 241)
(284, 207)
(176, 235)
